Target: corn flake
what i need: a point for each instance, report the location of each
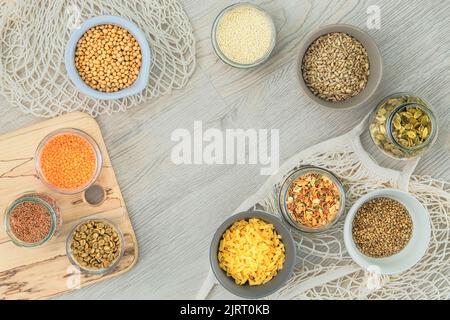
(251, 251)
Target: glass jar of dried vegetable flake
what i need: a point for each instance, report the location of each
(403, 126)
(311, 199)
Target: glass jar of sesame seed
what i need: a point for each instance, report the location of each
(403, 126)
(243, 35)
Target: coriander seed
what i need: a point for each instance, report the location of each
(382, 227)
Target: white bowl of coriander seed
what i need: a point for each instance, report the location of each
(339, 66)
(108, 57)
(387, 231)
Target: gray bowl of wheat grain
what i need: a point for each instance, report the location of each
(375, 62)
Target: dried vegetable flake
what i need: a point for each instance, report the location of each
(313, 200)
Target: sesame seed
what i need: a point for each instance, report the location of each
(244, 34)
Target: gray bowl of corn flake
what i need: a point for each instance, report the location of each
(248, 267)
(339, 66)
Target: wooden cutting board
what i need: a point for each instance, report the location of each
(38, 273)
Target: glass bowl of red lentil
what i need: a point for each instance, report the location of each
(32, 220)
(244, 16)
(68, 161)
(312, 199)
(92, 243)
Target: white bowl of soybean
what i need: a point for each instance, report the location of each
(408, 256)
(144, 72)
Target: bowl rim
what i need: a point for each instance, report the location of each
(361, 259)
(219, 52)
(341, 27)
(144, 72)
(301, 171)
(269, 218)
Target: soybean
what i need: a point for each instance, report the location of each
(108, 58)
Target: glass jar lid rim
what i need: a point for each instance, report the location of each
(399, 108)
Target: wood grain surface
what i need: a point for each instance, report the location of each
(33, 273)
(176, 209)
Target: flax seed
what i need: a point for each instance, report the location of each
(30, 222)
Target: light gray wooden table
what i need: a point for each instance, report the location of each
(176, 209)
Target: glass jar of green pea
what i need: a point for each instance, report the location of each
(403, 126)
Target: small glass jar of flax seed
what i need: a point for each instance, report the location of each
(403, 126)
(32, 220)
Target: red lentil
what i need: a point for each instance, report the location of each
(68, 161)
(30, 222)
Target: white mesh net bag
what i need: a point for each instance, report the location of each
(324, 269)
(32, 72)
